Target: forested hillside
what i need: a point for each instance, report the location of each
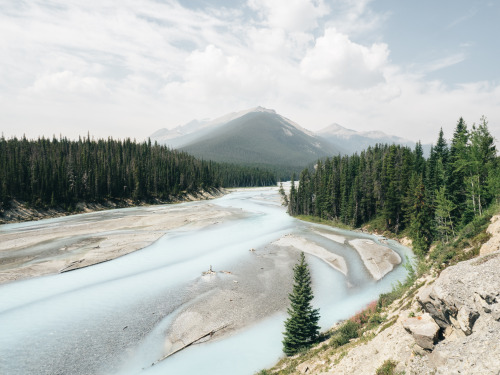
(397, 189)
(46, 172)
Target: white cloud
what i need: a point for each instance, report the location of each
(127, 70)
(444, 62)
(337, 61)
(354, 17)
(68, 82)
(211, 75)
(290, 15)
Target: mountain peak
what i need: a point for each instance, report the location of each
(337, 130)
(262, 109)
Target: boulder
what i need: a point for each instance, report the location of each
(465, 302)
(463, 292)
(423, 329)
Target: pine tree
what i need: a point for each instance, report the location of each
(301, 328)
(284, 197)
(420, 216)
(457, 168)
(444, 221)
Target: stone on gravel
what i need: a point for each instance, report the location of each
(423, 329)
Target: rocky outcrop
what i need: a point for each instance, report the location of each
(463, 293)
(465, 302)
(424, 330)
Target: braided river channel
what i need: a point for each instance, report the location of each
(218, 292)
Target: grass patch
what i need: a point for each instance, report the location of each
(389, 324)
(387, 368)
(399, 289)
(318, 220)
(471, 237)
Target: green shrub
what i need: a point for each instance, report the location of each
(375, 320)
(387, 368)
(347, 331)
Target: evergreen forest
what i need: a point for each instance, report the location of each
(62, 172)
(395, 188)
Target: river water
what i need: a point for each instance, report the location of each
(114, 317)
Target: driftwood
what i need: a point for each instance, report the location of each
(67, 268)
(190, 343)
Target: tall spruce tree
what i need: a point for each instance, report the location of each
(301, 328)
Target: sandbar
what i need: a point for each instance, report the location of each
(309, 247)
(332, 237)
(378, 259)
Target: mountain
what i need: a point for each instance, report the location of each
(196, 129)
(260, 137)
(351, 141)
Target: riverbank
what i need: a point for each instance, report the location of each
(66, 244)
(18, 212)
(447, 321)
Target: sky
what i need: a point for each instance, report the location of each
(128, 68)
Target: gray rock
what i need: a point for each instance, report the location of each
(434, 306)
(465, 302)
(463, 292)
(423, 329)
(466, 318)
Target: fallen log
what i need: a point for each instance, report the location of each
(67, 268)
(190, 343)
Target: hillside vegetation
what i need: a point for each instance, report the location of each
(394, 188)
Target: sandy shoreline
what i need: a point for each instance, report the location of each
(19, 212)
(79, 241)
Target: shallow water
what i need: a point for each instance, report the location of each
(112, 318)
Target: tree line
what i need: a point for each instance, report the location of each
(50, 172)
(400, 189)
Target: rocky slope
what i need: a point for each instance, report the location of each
(443, 325)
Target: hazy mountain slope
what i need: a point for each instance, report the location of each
(261, 138)
(175, 137)
(197, 129)
(350, 141)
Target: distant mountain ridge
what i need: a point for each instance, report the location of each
(262, 137)
(353, 141)
(196, 129)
